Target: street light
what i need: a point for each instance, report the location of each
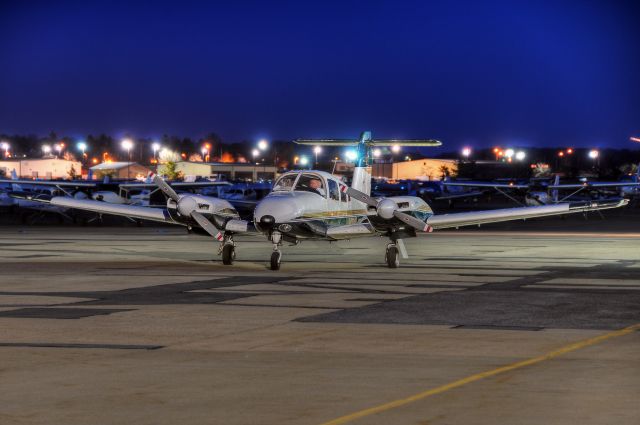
(263, 145)
(304, 161)
(255, 154)
(466, 152)
(317, 150)
(520, 155)
(395, 148)
(82, 146)
(155, 147)
(127, 144)
(5, 146)
(376, 153)
(46, 149)
(594, 154)
(351, 155)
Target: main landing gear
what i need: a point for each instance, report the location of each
(276, 255)
(228, 250)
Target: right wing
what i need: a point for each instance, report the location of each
(445, 221)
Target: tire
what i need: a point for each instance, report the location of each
(392, 257)
(228, 254)
(275, 260)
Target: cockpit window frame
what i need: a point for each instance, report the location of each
(295, 181)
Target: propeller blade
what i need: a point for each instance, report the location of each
(205, 223)
(361, 196)
(416, 223)
(164, 186)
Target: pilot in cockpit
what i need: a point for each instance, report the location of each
(316, 185)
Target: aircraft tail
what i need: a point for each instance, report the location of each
(15, 186)
(554, 192)
(364, 145)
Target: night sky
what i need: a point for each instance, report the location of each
(465, 72)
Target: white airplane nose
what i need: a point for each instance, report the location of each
(275, 210)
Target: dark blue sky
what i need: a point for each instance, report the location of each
(493, 72)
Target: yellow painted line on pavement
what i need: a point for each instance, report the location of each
(473, 378)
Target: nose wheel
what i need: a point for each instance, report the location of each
(276, 256)
(392, 256)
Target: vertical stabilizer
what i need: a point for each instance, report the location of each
(15, 186)
(554, 192)
(362, 171)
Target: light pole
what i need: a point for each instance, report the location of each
(316, 151)
(127, 144)
(595, 155)
(5, 146)
(83, 147)
(155, 147)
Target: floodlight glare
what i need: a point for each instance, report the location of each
(395, 148)
(466, 152)
(263, 145)
(509, 153)
(304, 160)
(593, 154)
(520, 155)
(317, 150)
(351, 155)
(376, 153)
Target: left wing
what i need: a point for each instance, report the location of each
(493, 216)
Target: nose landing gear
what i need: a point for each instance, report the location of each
(276, 255)
(392, 257)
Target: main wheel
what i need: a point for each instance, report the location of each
(393, 260)
(275, 260)
(228, 254)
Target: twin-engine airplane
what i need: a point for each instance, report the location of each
(315, 205)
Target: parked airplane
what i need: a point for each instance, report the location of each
(315, 205)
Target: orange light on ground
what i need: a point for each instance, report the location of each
(509, 159)
(500, 153)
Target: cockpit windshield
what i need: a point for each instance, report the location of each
(285, 183)
(311, 183)
(307, 182)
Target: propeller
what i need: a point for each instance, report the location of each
(387, 209)
(186, 206)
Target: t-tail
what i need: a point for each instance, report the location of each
(364, 149)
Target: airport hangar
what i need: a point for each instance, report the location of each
(232, 170)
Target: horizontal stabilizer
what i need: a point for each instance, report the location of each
(373, 142)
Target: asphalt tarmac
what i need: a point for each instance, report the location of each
(138, 325)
